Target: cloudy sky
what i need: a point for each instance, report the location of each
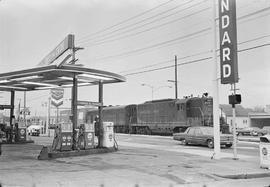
(137, 39)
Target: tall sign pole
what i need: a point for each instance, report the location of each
(215, 88)
(228, 53)
(234, 126)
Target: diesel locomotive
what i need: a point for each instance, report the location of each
(163, 117)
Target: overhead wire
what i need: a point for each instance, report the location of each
(166, 67)
(173, 40)
(172, 60)
(126, 20)
(193, 61)
(132, 28)
(157, 44)
(146, 30)
(101, 42)
(141, 21)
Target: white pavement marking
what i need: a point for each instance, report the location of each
(181, 149)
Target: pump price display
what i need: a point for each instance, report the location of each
(228, 42)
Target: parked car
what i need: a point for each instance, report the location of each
(2, 136)
(266, 129)
(202, 135)
(34, 130)
(251, 131)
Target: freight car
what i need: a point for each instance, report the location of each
(121, 116)
(159, 116)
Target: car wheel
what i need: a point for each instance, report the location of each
(210, 144)
(184, 142)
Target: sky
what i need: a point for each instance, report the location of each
(131, 38)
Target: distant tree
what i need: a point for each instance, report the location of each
(259, 109)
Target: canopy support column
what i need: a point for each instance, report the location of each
(11, 116)
(100, 110)
(74, 110)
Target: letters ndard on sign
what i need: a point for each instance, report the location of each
(228, 42)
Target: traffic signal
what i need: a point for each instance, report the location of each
(234, 99)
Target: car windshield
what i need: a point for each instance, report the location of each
(207, 131)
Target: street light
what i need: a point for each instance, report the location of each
(153, 89)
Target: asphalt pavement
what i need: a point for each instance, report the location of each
(135, 164)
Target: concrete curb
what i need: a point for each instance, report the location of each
(248, 140)
(46, 155)
(22, 142)
(244, 176)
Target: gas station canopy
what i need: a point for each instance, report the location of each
(53, 76)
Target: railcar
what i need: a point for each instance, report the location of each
(121, 116)
(159, 116)
(173, 115)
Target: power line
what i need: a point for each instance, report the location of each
(194, 61)
(105, 36)
(102, 41)
(170, 42)
(172, 60)
(254, 39)
(166, 67)
(248, 15)
(130, 52)
(255, 47)
(157, 44)
(126, 20)
(254, 13)
(196, 54)
(163, 62)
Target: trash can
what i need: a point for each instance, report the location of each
(108, 135)
(265, 151)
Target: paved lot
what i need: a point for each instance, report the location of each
(140, 161)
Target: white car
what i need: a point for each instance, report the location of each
(34, 130)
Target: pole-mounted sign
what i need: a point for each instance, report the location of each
(67, 43)
(57, 95)
(228, 42)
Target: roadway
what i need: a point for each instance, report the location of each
(140, 161)
(164, 142)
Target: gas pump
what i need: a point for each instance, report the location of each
(62, 137)
(86, 136)
(66, 137)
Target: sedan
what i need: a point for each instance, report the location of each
(202, 136)
(252, 131)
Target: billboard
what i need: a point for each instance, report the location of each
(228, 42)
(67, 43)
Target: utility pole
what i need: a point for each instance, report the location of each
(175, 81)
